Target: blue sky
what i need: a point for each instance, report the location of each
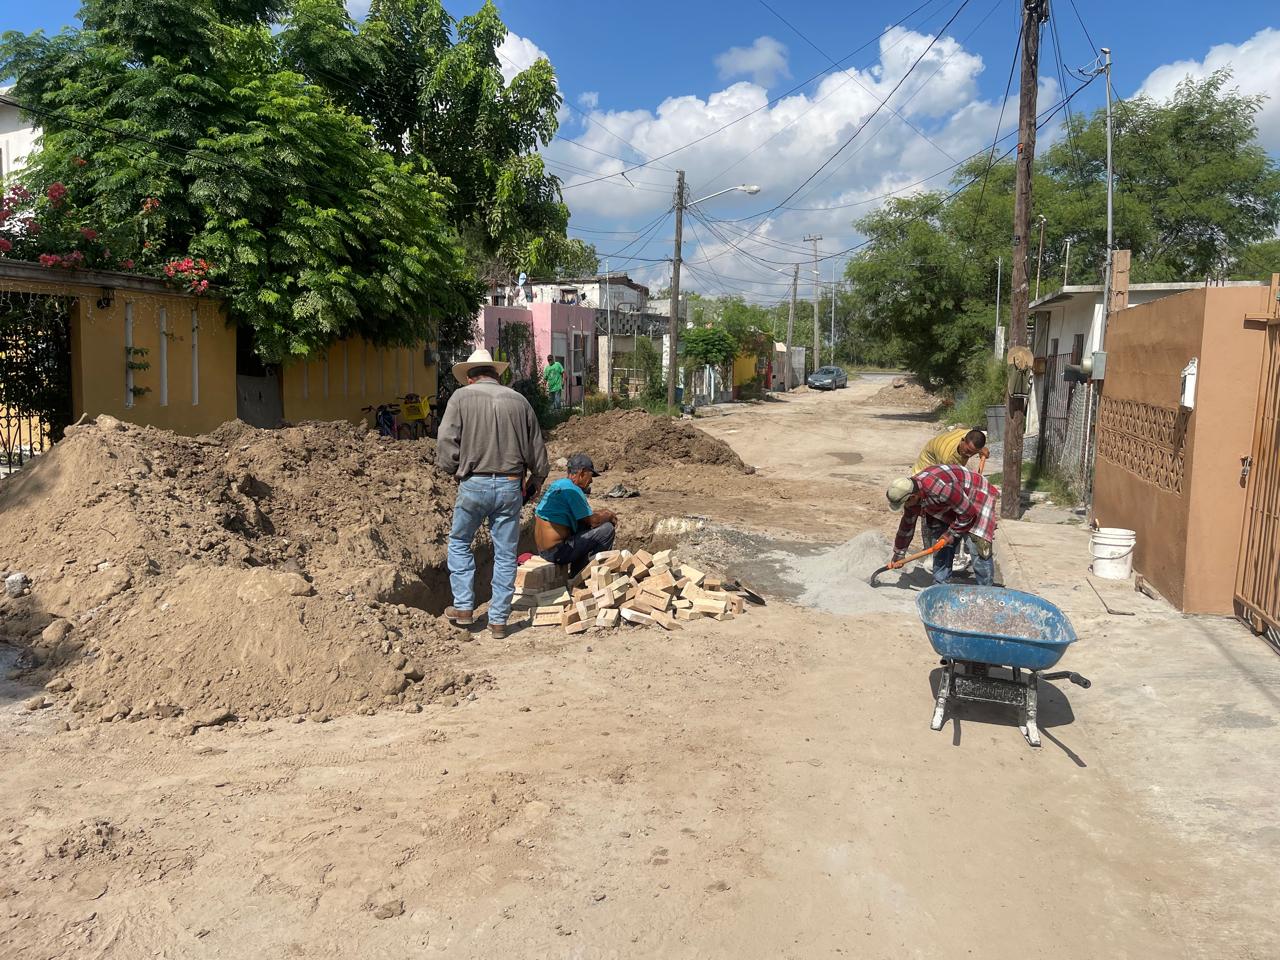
(656, 76)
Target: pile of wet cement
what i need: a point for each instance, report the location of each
(837, 580)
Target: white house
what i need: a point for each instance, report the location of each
(603, 291)
(1068, 327)
(17, 137)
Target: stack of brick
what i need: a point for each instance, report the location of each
(624, 587)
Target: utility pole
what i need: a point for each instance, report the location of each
(998, 352)
(791, 323)
(673, 338)
(1066, 262)
(1034, 13)
(1040, 256)
(608, 340)
(1106, 284)
(833, 310)
(817, 295)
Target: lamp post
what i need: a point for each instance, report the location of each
(673, 338)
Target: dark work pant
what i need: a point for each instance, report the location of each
(578, 550)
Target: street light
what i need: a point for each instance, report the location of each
(673, 339)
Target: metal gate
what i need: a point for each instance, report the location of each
(1258, 572)
(35, 374)
(1056, 416)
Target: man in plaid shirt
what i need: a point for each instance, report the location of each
(955, 502)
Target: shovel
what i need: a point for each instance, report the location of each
(898, 564)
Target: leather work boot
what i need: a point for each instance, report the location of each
(498, 631)
(460, 617)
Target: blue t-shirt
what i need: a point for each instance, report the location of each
(564, 504)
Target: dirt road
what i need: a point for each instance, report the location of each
(767, 788)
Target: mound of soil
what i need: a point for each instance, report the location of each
(634, 441)
(248, 572)
(905, 392)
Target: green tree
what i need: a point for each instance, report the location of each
(433, 89)
(1196, 197)
(175, 133)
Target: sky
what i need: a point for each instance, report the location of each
(641, 84)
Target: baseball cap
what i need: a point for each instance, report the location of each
(579, 462)
(898, 491)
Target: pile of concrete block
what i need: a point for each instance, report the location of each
(619, 586)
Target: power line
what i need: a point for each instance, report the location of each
(751, 113)
(796, 30)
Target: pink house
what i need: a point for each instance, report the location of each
(564, 331)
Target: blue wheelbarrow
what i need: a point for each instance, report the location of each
(978, 629)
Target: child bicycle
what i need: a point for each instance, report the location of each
(385, 418)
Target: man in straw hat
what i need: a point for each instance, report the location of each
(491, 442)
(955, 502)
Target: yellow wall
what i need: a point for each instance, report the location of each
(359, 375)
(98, 360)
(744, 369)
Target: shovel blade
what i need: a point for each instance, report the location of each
(872, 580)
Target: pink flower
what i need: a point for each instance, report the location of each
(127, 264)
(79, 161)
(88, 234)
(56, 193)
(5, 245)
(49, 259)
(32, 227)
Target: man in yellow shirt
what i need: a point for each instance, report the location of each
(957, 447)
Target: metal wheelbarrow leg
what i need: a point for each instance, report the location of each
(944, 691)
(1030, 703)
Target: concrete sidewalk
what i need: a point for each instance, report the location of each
(1182, 717)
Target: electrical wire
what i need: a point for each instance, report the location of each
(750, 113)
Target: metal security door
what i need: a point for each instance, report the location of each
(1258, 572)
(35, 374)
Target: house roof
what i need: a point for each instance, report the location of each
(1093, 290)
(621, 279)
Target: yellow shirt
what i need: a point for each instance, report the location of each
(944, 448)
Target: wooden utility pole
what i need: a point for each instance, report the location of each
(791, 324)
(674, 336)
(1034, 13)
(817, 296)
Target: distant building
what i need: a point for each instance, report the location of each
(615, 291)
(17, 138)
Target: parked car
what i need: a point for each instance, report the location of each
(828, 378)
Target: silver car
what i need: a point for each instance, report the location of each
(828, 378)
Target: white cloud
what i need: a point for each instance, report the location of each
(1254, 66)
(516, 54)
(765, 62)
(590, 99)
(777, 146)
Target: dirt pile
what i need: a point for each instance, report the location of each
(838, 580)
(247, 573)
(634, 441)
(906, 392)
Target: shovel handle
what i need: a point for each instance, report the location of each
(898, 564)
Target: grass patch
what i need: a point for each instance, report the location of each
(984, 386)
(1058, 488)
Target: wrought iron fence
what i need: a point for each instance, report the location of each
(35, 374)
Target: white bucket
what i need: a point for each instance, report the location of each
(1112, 552)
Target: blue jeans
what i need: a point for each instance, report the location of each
(984, 568)
(555, 399)
(577, 551)
(498, 500)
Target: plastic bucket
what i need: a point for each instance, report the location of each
(1112, 552)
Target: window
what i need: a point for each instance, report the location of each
(1077, 348)
(1053, 347)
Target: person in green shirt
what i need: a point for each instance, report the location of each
(553, 373)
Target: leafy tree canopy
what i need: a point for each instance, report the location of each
(178, 132)
(1195, 197)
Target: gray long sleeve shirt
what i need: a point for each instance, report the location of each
(489, 428)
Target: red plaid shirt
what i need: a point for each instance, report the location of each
(957, 496)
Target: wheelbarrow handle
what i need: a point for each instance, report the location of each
(1075, 678)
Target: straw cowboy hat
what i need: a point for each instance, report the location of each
(481, 358)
